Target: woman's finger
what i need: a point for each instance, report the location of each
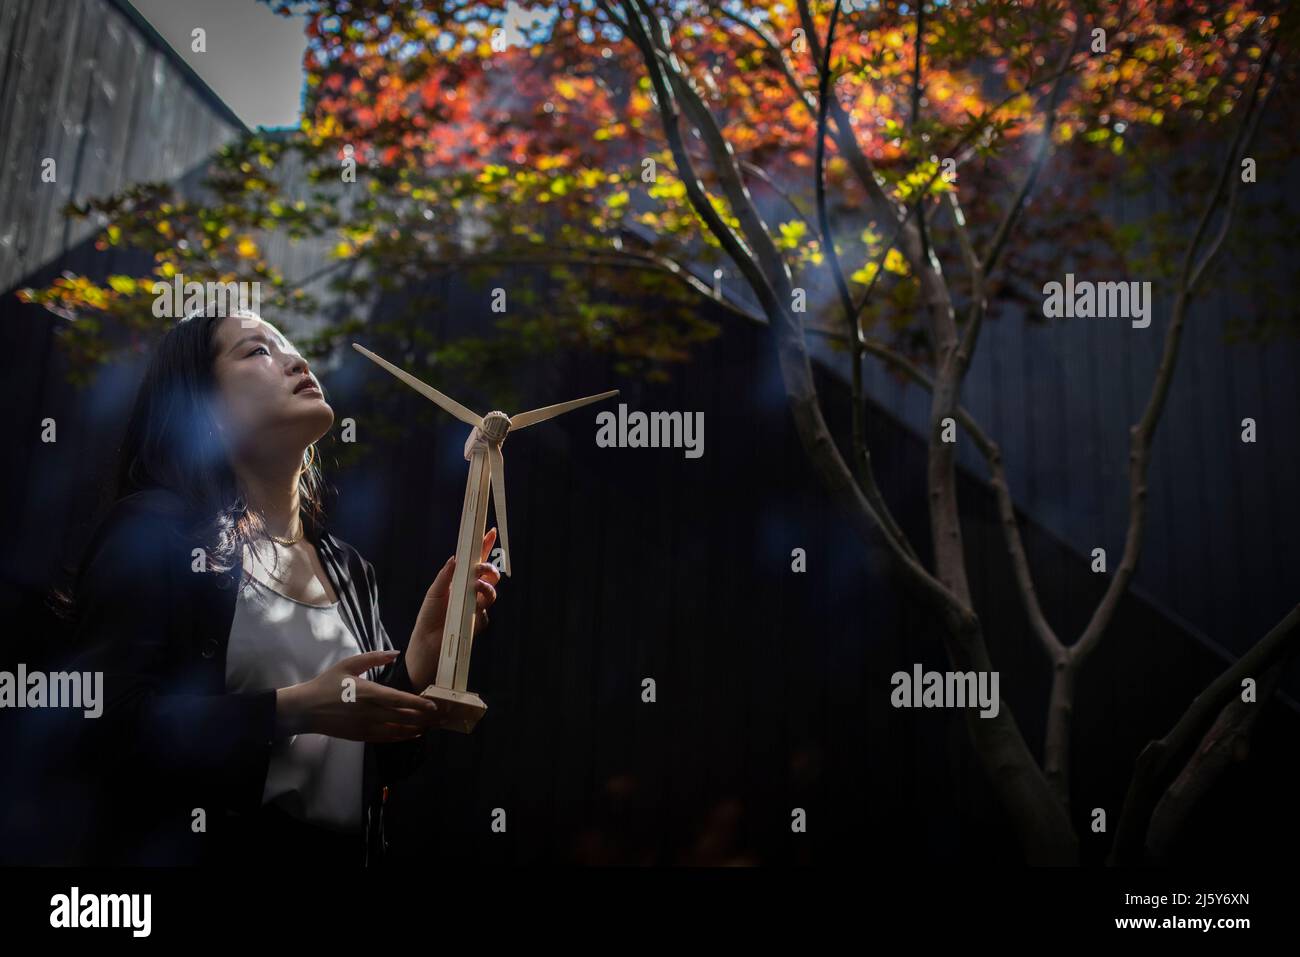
(360, 664)
(442, 581)
(486, 595)
(388, 699)
(488, 541)
(488, 572)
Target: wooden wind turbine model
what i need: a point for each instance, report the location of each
(462, 709)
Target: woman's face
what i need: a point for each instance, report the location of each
(267, 397)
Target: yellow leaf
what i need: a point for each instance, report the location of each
(791, 233)
(865, 274)
(246, 248)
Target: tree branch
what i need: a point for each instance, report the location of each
(997, 480)
(1141, 434)
(731, 243)
(1227, 742)
(1040, 156)
(1159, 759)
(724, 160)
(861, 451)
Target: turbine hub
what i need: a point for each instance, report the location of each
(495, 426)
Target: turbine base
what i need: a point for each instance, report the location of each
(457, 710)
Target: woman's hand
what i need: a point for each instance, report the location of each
(426, 638)
(375, 713)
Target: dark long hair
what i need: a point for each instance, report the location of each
(171, 441)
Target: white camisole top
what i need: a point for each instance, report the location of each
(277, 641)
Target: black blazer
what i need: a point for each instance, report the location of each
(170, 739)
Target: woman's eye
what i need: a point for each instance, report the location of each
(262, 349)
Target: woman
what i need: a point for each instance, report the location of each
(254, 705)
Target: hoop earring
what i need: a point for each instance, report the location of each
(309, 458)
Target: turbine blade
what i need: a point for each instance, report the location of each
(524, 419)
(497, 465)
(446, 402)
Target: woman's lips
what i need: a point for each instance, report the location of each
(310, 390)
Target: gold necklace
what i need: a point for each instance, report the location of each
(290, 541)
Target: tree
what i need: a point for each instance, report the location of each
(632, 133)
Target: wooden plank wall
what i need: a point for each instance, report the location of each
(81, 85)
